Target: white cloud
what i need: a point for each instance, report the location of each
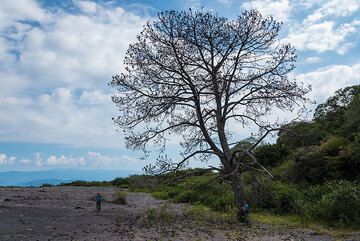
(65, 161)
(334, 8)
(87, 6)
(15, 10)
(38, 159)
(54, 89)
(321, 37)
(60, 117)
(25, 161)
(326, 81)
(280, 9)
(312, 60)
(225, 2)
(4, 160)
(90, 160)
(310, 3)
(343, 49)
(130, 160)
(96, 159)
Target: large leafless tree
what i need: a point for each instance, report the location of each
(194, 73)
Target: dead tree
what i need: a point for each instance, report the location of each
(193, 74)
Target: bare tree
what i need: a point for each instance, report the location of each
(194, 73)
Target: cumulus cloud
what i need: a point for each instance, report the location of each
(38, 161)
(87, 6)
(321, 37)
(54, 73)
(280, 9)
(334, 8)
(312, 60)
(326, 28)
(91, 160)
(25, 161)
(60, 117)
(325, 81)
(65, 161)
(343, 49)
(4, 160)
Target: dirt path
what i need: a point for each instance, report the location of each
(68, 213)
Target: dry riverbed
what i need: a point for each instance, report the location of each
(68, 213)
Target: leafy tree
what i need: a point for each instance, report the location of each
(270, 155)
(194, 74)
(332, 114)
(336, 158)
(300, 134)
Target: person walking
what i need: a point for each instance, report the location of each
(98, 200)
(246, 211)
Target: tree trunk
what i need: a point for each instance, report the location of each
(237, 188)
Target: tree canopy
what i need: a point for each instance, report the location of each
(194, 73)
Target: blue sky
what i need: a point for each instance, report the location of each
(56, 58)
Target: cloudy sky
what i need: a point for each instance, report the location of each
(56, 58)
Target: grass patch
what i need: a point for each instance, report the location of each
(202, 212)
(294, 221)
(279, 220)
(120, 198)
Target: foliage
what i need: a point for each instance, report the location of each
(120, 198)
(270, 155)
(300, 134)
(279, 197)
(334, 112)
(87, 184)
(120, 182)
(335, 202)
(335, 158)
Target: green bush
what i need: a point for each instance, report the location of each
(335, 202)
(163, 194)
(185, 197)
(286, 197)
(120, 182)
(266, 194)
(270, 155)
(120, 198)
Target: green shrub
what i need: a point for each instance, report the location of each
(185, 197)
(120, 198)
(270, 155)
(335, 202)
(161, 194)
(150, 214)
(266, 194)
(120, 182)
(286, 196)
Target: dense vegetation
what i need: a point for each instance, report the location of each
(316, 165)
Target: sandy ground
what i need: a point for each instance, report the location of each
(68, 213)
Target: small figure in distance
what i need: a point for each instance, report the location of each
(246, 211)
(98, 200)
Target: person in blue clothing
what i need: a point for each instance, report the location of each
(246, 211)
(98, 200)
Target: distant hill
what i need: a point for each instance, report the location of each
(57, 176)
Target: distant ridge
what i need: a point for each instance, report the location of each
(56, 176)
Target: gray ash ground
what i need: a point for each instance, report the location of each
(68, 213)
